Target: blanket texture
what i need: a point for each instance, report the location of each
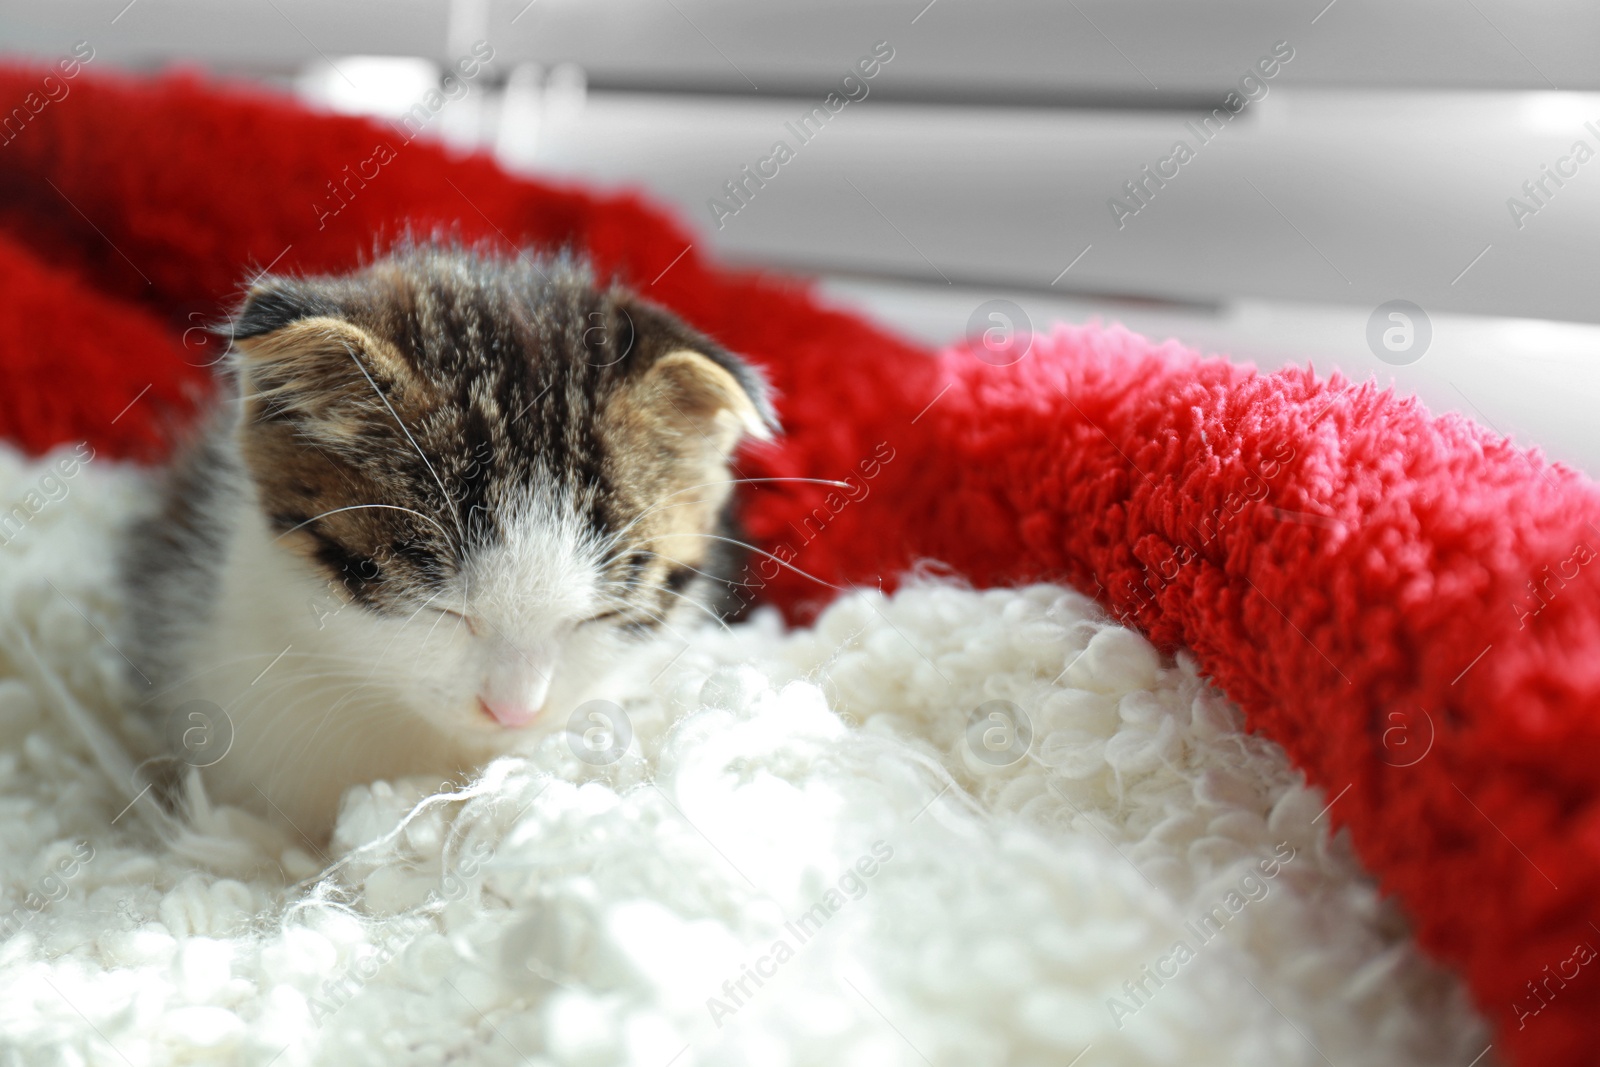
(812, 852)
(1406, 604)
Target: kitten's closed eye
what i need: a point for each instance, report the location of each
(502, 471)
(461, 618)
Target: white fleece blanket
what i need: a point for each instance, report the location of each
(833, 846)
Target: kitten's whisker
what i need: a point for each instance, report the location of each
(692, 602)
(405, 430)
(267, 698)
(403, 625)
(719, 620)
(662, 505)
(358, 507)
(297, 754)
(269, 689)
(660, 620)
(629, 604)
(755, 549)
(607, 546)
(806, 481)
(254, 656)
(435, 626)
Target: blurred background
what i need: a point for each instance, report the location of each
(1406, 191)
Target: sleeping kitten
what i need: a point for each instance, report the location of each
(447, 494)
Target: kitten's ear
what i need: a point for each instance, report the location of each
(314, 368)
(722, 398)
(679, 376)
(275, 303)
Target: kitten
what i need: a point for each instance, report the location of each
(448, 491)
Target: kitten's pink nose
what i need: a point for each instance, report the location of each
(511, 713)
(514, 695)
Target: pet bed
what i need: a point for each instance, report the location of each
(1331, 638)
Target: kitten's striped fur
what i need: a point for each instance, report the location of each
(449, 489)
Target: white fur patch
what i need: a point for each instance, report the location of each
(566, 913)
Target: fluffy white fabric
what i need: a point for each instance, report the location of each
(557, 912)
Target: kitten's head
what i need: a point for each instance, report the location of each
(501, 471)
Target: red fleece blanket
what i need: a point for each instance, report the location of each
(1406, 603)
